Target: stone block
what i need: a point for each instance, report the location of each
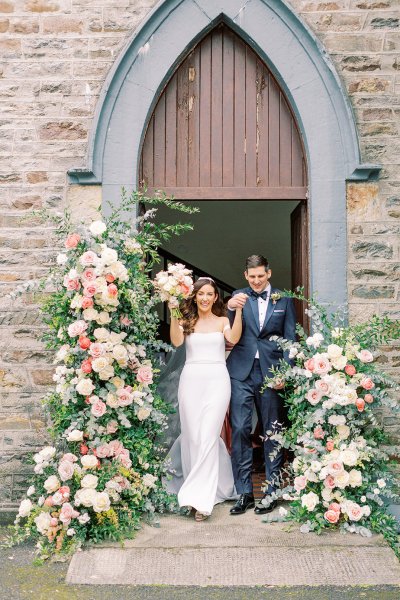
(393, 206)
(10, 49)
(363, 201)
(335, 21)
(373, 292)
(4, 25)
(352, 42)
(24, 25)
(43, 6)
(10, 379)
(384, 21)
(392, 42)
(370, 85)
(84, 202)
(62, 24)
(377, 129)
(365, 249)
(62, 130)
(37, 177)
(361, 63)
(377, 114)
(6, 6)
(42, 376)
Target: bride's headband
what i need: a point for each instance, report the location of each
(209, 279)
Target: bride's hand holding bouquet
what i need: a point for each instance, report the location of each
(173, 286)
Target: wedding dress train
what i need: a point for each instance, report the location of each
(199, 461)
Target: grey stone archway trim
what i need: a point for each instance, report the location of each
(305, 73)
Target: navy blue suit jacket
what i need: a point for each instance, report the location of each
(280, 320)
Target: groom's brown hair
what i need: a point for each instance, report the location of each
(257, 260)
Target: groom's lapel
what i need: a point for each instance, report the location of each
(270, 309)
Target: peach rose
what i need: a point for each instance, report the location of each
(83, 449)
(89, 289)
(112, 290)
(103, 451)
(145, 374)
(71, 284)
(88, 259)
(67, 513)
(367, 383)
(330, 445)
(110, 278)
(369, 398)
(360, 403)
(112, 427)
(319, 433)
(322, 366)
(332, 516)
(365, 356)
(84, 343)
(86, 366)
(89, 275)
(334, 506)
(87, 303)
(65, 491)
(124, 320)
(329, 482)
(98, 408)
(115, 448)
(72, 241)
(350, 370)
(96, 349)
(322, 386)
(309, 364)
(125, 398)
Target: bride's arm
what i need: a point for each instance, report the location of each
(176, 332)
(234, 333)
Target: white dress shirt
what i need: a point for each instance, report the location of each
(262, 309)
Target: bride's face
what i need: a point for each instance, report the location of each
(205, 298)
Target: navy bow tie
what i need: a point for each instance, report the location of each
(262, 295)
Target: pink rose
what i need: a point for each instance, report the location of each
(330, 445)
(309, 364)
(65, 470)
(124, 459)
(314, 396)
(112, 427)
(87, 303)
(335, 467)
(356, 512)
(115, 448)
(369, 398)
(67, 513)
(367, 383)
(72, 240)
(103, 451)
(53, 522)
(65, 491)
(360, 403)
(300, 483)
(329, 482)
(145, 374)
(125, 398)
(49, 501)
(350, 370)
(322, 366)
(110, 278)
(334, 506)
(88, 275)
(365, 356)
(88, 258)
(319, 433)
(332, 516)
(96, 349)
(71, 284)
(69, 456)
(112, 290)
(77, 328)
(89, 289)
(98, 408)
(124, 320)
(86, 366)
(322, 386)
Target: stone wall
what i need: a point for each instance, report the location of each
(55, 57)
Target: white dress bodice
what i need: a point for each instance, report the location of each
(205, 348)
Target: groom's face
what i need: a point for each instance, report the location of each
(258, 278)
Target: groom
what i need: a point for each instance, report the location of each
(266, 313)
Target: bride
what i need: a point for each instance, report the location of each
(199, 458)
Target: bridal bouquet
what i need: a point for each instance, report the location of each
(341, 470)
(173, 286)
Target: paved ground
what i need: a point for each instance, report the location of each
(242, 545)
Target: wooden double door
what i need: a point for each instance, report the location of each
(223, 129)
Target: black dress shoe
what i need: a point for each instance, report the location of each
(245, 501)
(262, 509)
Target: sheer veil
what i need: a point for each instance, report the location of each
(168, 389)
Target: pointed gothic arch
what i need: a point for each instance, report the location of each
(303, 71)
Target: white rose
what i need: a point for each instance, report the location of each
(103, 318)
(339, 363)
(100, 363)
(70, 531)
(310, 501)
(366, 510)
(42, 522)
(97, 227)
(25, 508)
(106, 373)
(343, 431)
(89, 461)
(83, 518)
(293, 352)
(85, 387)
(101, 334)
(101, 502)
(85, 496)
(315, 466)
(342, 479)
(112, 400)
(143, 413)
(109, 256)
(45, 454)
(327, 494)
(75, 436)
(349, 457)
(355, 478)
(337, 420)
(89, 481)
(62, 259)
(149, 480)
(381, 483)
(51, 484)
(90, 314)
(120, 352)
(31, 490)
(334, 351)
(282, 511)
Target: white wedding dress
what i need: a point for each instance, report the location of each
(199, 461)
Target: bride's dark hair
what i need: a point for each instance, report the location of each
(188, 307)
